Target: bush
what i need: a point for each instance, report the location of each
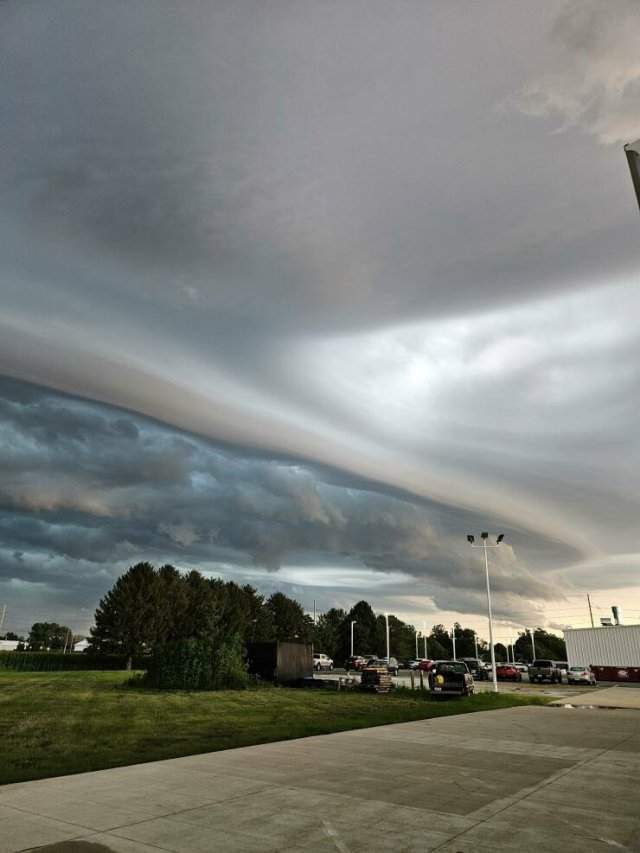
(197, 665)
(57, 661)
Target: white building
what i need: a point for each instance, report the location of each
(9, 645)
(612, 651)
(81, 645)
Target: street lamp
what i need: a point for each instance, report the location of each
(424, 634)
(386, 616)
(632, 150)
(353, 622)
(533, 646)
(453, 638)
(471, 540)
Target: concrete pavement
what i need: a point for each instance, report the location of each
(522, 779)
(609, 697)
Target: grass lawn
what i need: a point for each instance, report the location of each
(56, 723)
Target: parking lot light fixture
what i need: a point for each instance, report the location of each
(485, 545)
(453, 639)
(632, 150)
(353, 622)
(386, 616)
(533, 645)
(424, 634)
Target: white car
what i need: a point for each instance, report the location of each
(321, 662)
(581, 675)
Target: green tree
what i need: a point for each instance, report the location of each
(440, 641)
(365, 632)
(548, 646)
(48, 635)
(173, 604)
(328, 633)
(128, 617)
(289, 619)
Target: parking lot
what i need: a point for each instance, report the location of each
(403, 679)
(523, 779)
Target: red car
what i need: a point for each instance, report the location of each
(425, 665)
(508, 672)
(356, 662)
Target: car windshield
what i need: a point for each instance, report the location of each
(543, 663)
(452, 666)
(578, 668)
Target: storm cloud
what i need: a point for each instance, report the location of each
(304, 292)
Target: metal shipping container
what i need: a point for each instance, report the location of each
(612, 652)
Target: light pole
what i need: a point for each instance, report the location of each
(417, 645)
(386, 616)
(470, 539)
(453, 638)
(475, 644)
(424, 634)
(632, 150)
(533, 646)
(353, 622)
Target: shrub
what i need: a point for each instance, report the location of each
(197, 665)
(57, 661)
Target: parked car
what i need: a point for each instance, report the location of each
(545, 670)
(356, 662)
(581, 675)
(425, 664)
(413, 663)
(451, 678)
(322, 662)
(391, 664)
(477, 668)
(521, 667)
(508, 672)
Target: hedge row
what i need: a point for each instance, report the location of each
(53, 661)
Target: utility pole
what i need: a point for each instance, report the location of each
(590, 610)
(453, 637)
(353, 622)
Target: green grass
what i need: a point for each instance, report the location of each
(56, 723)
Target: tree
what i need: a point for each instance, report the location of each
(548, 646)
(328, 633)
(173, 603)
(48, 636)
(365, 632)
(289, 619)
(128, 619)
(11, 636)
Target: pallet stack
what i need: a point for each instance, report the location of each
(376, 678)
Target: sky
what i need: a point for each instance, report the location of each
(300, 294)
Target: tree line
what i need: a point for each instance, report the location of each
(148, 607)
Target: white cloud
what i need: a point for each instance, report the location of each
(592, 80)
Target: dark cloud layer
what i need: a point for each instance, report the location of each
(87, 489)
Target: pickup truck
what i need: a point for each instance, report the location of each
(545, 670)
(450, 678)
